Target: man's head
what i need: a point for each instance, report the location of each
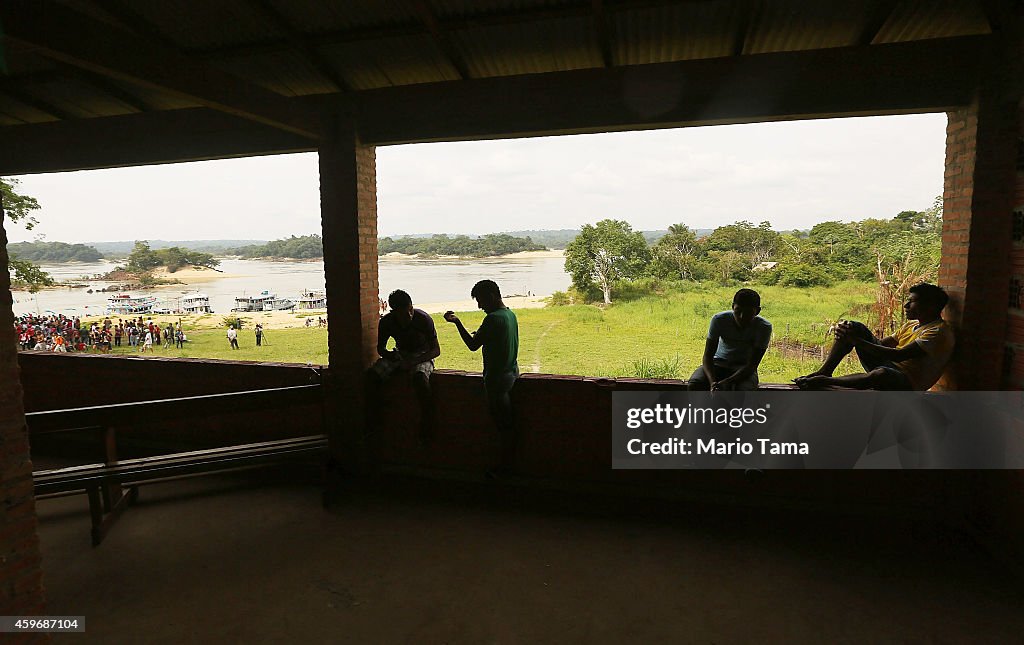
(925, 302)
(401, 307)
(746, 304)
(487, 295)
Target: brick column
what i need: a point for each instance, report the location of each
(348, 203)
(21, 585)
(981, 149)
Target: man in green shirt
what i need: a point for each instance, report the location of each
(499, 336)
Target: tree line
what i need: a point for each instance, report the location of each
(305, 247)
(41, 251)
(461, 245)
(312, 246)
(902, 249)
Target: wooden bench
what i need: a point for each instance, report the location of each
(112, 486)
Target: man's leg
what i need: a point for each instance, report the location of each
(499, 404)
(880, 378)
(840, 349)
(421, 384)
(698, 381)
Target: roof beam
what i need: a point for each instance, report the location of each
(444, 25)
(81, 41)
(603, 30)
(298, 42)
(441, 39)
(37, 104)
(137, 139)
(131, 20)
(924, 76)
(750, 14)
(64, 72)
(105, 85)
(876, 20)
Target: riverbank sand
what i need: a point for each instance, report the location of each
(292, 319)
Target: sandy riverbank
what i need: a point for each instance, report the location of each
(293, 320)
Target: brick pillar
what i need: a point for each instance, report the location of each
(976, 234)
(21, 585)
(348, 203)
(1013, 361)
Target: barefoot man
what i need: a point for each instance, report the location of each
(911, 359)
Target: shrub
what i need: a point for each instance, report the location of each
(663, 368)
(803, 275)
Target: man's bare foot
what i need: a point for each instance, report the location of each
(815, 382)
(800, 379)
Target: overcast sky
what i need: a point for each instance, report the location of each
(792, 174)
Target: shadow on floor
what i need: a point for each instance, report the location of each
(256, 559)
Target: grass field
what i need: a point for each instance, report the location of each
(654, 337)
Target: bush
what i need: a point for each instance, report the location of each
(663, 368)
(626, 290)
(558, 299)
(803, 275)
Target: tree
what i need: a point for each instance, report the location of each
(677, 253)
(756, 243)
(605, 252)
(142, 258)
(18, 208)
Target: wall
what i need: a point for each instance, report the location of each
(59, 381)
(21, 577)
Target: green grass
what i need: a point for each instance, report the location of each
(302, 345)
(659, 336)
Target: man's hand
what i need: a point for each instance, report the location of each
(723, 384)
(451, 317)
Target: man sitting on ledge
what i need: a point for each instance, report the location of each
(911, 359)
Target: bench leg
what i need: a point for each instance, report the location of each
(96, 515)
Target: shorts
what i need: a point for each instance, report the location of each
(699, 379)
(386, 368)
(498, 386)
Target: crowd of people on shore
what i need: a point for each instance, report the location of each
(60, 333)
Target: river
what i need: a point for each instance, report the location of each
(428, 281)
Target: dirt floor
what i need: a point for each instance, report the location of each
(235, 559)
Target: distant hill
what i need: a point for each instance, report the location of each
(122, 249)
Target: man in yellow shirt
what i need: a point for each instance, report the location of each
(913, 358)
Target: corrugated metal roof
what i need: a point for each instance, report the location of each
(204, 24)
(468, 8)
(288, 73)
(21, 113)
(793, 25)
(679, 32)
(79, 98)
(317, 16)
(923, 19)
(392, 61)
(549, 46)
(489, 38)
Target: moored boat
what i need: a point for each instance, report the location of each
(312, 300)
(264, 301)
(196, 303)
(126, 304)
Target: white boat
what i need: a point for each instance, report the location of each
(313, 300)
(127, 304)
(265, 301)
(196, 303)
